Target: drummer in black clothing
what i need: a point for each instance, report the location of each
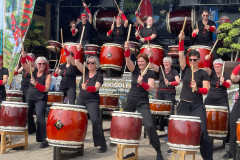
(68, 71)
(89, 96)
(166, 88)
(191, 103)
(77, 30)
(3, 80)
(234, 116)
(119, 30)
(137, 98)
(204, 34)
(148, 32)
(25, 77)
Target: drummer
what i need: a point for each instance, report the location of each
(191, 99)
(137, 98)
(37, 95)
(234, 116)
(25, 77)
(148, 32)
(85, 21)
(119, 30)
(89, 96)
(204, 34)
(3, 80)
(68, 71)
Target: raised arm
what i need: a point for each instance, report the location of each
(78, 64)
(127, 54)
(26, 60)
(207, 64)
(234, 76)
(124, 18)
(182, 58)
(88, 12)
(139, 19)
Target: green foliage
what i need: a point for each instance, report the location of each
(223, 51)
(236, 23)
(227, 41)
(234, 32)
(235, 46)
(221, 36)
(224, 27)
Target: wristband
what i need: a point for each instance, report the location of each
(181, 45)
(206, 63)
(77, 55)
(40, 87)
(73, 31)
(236, 70)
(124, 17)
(55, 74)
(194, 35)
(212, 28)
(110, 32)
(145, 86)
(1, 82)
(151, 59)
(15, 73)
(127, 53)
(87, 9)
(67, 53)
(138, 37)
(174, 83)
(202, 90)
(91, 88)
(226, 84)
(137, 15)
(147, 38)
(24, 59)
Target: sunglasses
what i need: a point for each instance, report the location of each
(194, 60)
(41, 64)
(91, 62)
(205, 15)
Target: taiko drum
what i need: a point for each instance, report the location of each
(173, 51)
(134, 47)
(13, 116)
(160, 107)
(126, 127)
(157, 52)
(54, 46)
(66, 125)
(184, 132)
(55, 97)
(238, 131)
(72, 47)
(91, 49)
(14, 95)
(109, 101)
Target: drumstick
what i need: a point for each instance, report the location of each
(84, 64)
(116, 4)
(30, 65)
(61, 35)
(139, 5)
(59, 60)
(82, 35)
(145, 70)
(113, 19)
(19, 59)
(129, 31)
(223, 68)
(217, 21)
(184, 23)
(162, 72)
(196, 24)
(192, 77)
(213, 47)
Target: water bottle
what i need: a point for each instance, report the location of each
(166, 133)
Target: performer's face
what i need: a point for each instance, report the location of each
(193, 60)
(218, 68)
(205, 16)
(118, 21)
(84, 19)
(91, 64)
(141, 63)
(41, 65)
(149, 21)
(167, 64)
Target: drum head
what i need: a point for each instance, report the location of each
(14, 91)
(70, 44)
(55, 93)
(126, 114)
(200, 47)
(181, 117)
(14, 104)
(112, 44)
(152, 46)
(216, 107)
(91, 45)
(159, 101)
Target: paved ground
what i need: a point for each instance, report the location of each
(146, 152)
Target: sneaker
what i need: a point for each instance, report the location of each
(44, 144)
(129, 155)
(227, 156)
(169, 151)
(102, 149)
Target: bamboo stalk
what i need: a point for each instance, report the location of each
(129, 31)
(213, 47)
(139, 5)
(192, 77)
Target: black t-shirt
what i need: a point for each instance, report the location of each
(145, 32)
(68, 76)
(238, 100)
(187, 93)
(90, 82)
(119, 34)
(136, 91)
(216, 90)
(33, 93)
(87, 30)
(3, 71)
(170, 77)
(25, 79)
(204, 36)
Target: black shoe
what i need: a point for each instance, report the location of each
(227, 156)
(169, 151)
(44, 144)
(18, 148)
(159, 156)
(102, 149)
(129, 155)
(112, 145)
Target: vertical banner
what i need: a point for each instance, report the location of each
(18, 14)
(2, 3)
(213, 15)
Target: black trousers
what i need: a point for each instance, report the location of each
(39, 106)
(25, 90)
(71, 93)
(235, 114)
(97, 130)
(142, 106)
(167, 95)
(198, 110)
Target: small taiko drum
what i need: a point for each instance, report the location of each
(111, 56)
(109, 101)
(160, 107)
(184, 132)
(14, 95)
(203, 50)
(72, 47)
(157, 52)
(126, 127)
(91, 49)
(55, 97)
(217, 120)
(13, 116)
(66, 125)
(134, 47)
(238, 131)
(54, 46)
(173, 51)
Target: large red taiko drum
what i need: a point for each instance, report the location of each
(184, 132)
(160, 107)
(14, 95)
(157, 52)
(54, 46)
(238, 131)
(109, 101)
(111, 56)
(217, 120)
(55, 97)
(72, 47)
(126, 128)
(13, 116)
(66, 125)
